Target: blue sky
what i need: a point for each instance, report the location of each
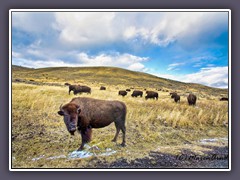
(183, 46)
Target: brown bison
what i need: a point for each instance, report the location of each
(72, 88)
(122, 93)
(151, 94)
(83, 114)
(128, 90)
(176, 97)
(192, 99)
(224, 99)
(137, 93)
(67, 84)
(82, 89)
(172, 93)
(102, 88)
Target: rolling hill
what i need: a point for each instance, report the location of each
(108, 76)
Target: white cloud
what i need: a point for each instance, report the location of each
(85, 28)
(211, 76)
(174, 66)
(159, 28)
(126, 61)
(136, 67)
(16, 54)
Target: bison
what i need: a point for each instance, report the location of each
(128, 90)
(72, 88)
(122, 93)
(224, 99)
(192, 99)
(82, 89)
(176, 97)
(172, 93)
(102, 88)
(83, 114)
(137, 93)
(67, 84)
(151, 94)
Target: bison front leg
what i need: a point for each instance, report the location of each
(86, 137)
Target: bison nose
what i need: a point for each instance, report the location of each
(72, 130)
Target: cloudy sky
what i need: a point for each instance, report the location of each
(183, 46)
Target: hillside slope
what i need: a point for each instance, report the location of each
(109, 76)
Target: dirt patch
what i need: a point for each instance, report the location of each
(217, 157)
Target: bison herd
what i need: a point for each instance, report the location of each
(82, 114)
(191, 98)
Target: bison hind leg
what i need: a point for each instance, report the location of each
(123, 128)
(117, 132)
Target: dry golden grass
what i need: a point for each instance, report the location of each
(38, 131)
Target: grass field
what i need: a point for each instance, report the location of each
(40, 138)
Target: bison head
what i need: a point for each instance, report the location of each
(70, 113)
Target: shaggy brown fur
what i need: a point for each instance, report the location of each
(102, 88)
(224, 99)
(67, 84)
(151, 94)
(82, 89)
(137, 93)
(192, 99)
(172, 94)
(72, 88)
(93, 113)
(122, 93)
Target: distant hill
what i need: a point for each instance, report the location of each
(108, 76)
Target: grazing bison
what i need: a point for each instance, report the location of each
(67, 84)
(83, 114)
(151, 94)
(224, 99)
(102, 88)
(72, 88)
(128, 90)
(122, 93)
(172, 93)
(176, 97)
(82, 89)
(137, 93)
(192, 99)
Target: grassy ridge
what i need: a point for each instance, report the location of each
(111, 76)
